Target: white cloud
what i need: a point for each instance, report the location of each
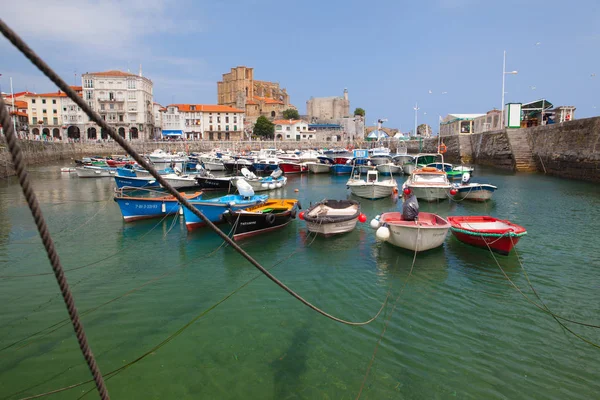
(117, 26)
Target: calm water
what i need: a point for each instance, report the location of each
(456, 328)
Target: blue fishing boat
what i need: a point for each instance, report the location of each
(213, 209)
(143, 207)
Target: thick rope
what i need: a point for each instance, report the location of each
(40, 222)
(95, 117)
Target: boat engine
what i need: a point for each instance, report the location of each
(466, 178)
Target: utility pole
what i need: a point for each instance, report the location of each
(416, 113)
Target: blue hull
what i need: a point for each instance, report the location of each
(259, 167)
(135, 182)
(213, 209)
(139, 208)
(341, 169)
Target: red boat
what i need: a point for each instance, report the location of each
(292, 168)
(118, 163)
(485, 231)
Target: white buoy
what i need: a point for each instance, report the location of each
(265, 185)
(383, 233)
(271, 186)
(180, 210)
(279, 184)
(163, 207)
(375, 223)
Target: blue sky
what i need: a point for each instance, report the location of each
(444, 54)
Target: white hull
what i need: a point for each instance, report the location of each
(91, 172)
(408, 168)
(332, 228)
(372, 190)
(214, 166)
(318, 168)
(162, 164)
(412, 238)
(379, 160)
(474, 191)
(259, 186)
(390, 168)
(180, 182)
(430, 193)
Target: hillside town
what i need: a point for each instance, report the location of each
(125, 100)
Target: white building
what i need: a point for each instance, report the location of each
(124, 100)
(158, 112)
(293, 130)
(203, 122)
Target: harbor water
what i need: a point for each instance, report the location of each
(210, 326)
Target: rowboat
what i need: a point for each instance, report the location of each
(372, 188)
(329, 217)
(498, 235)
(472, 191)
(266, 217)
(89, 171)
(427, 232)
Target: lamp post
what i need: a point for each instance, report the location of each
(504, 73)
(416, 108)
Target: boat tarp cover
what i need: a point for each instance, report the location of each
(334, 204)
(172, 132)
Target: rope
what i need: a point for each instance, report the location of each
(385, 325)
(95, 117)
(40, 222)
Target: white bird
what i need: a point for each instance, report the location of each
(532, 87)
(538, 43)
(593, 75)
(430, 92)
(444, 92)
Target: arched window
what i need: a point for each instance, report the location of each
(272, 113)
(122, 132)
(91, 133)
(56, 133)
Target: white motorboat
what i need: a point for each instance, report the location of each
(89, 171)
(213, 164)
(389, 169)
(271, 182)
(161, 159)
(178, 181)
(463, 168)
(330, 217)
(472, 191)
(429, 184)
(372, 188)
(322, 166)
(427, 232)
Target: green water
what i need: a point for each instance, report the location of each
(455, 328)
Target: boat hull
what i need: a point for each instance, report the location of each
(475, 192)
(95, 172)
(390, 169)
(213, 209)
(214, 166)
(427, 233)
(292, 168)
(318, 168)
(249, 223)
(137, 208)
(501, 245)
(179, 183)
(206, 183)
(332, 228)
(331, 217)
(342, 169)
(372, 190)
(136, 182)
(499, 236)
(430, 193)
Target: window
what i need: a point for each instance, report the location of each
(88, 94)
(193, 108)
(43, 101)
(219, 128)
(53, 101)
(55, 121)
(278, 127)
(32, 101)
(65, 109)
(226, 135)
(287, 128)
(235, 119)
(44, 111)
(120, 117)
(130, 84)
(131, 95)
(219, 135)
(226, 127)
(54, 111)
(102, 106)
(218, 119)
(111, 106)
(45, 121)
(226, 120)
(210, 120)
(111, 96)
(235, 127)
(34, 120)
(88, 83)
(211, 128)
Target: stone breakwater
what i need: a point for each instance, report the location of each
(570, 149)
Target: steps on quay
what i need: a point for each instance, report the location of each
(521, 151)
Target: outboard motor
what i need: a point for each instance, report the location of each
(276, 174)
(466, 178)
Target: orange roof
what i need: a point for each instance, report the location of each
(206, 108)
(20, 104)
(287, 121)
(19, 113)
(111, 73)
(20, 94)
(77, 88)
(58, 93)
(251, 102)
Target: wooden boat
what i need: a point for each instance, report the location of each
(213, 209)
(485, 231)
(329, 217)
(427, 232)
(372, 188)
(142, 207)
(429, 184)
(266, 217)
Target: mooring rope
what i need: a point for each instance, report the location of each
(95, 117)
(40, 222)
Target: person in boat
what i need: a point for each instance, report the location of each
(410, 205)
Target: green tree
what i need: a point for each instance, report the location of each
(290, 113)
(264, 128)
(359, 111)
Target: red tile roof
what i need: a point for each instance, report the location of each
(20, 104)
(19, 113)
(268, 100)
(206, 108)
(19, 94)
(111, 73)
(287, 121)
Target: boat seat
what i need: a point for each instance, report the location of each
(267, 210)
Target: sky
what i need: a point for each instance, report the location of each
(444, 55)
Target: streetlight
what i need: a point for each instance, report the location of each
(416, 108)
(504, 73)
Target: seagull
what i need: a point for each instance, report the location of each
(538, 43)
(444, 92)
(430, 92)
(593, 75)
(532, 87)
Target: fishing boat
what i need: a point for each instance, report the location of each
(207, 181)
(178, 180)
(266, 217)
(472, 191)
(419, 161)
(90, 171)
(464, 168)
(213, 209)
(427, 232)
(213, 164)
(448, 169)
(162, 159)
(273, 181)
(152, 205)
(236, 165)
(136, 182)
(429, 184)
(498, 235)
(290, 167)
(322, 166)
(329, 217)
(390, 168)
(372, 188)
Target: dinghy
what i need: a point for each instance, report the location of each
(485, 231)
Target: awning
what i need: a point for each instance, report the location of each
(172, 132)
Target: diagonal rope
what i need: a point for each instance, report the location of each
(40, 222)
(95, 117)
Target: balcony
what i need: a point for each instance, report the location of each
(111, 100)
